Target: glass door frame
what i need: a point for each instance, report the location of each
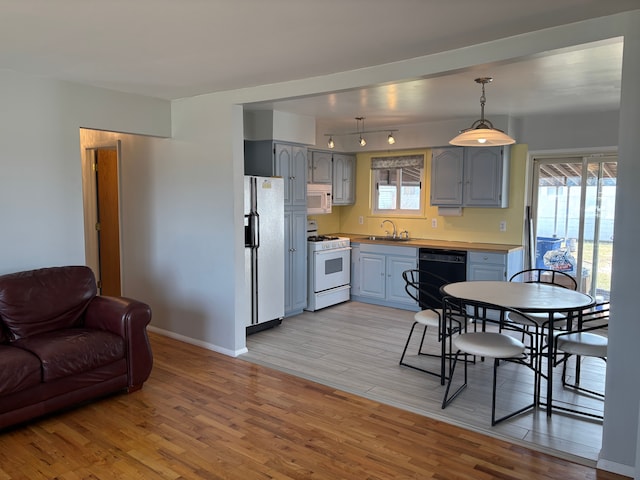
(585, 159)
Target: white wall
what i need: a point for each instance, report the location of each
(558, 132)
(40, 176)
(623, 385)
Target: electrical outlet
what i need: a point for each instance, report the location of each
(361, 220)
(503, 226)
(434, 223)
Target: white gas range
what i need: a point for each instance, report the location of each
(329, 269)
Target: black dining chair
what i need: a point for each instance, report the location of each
(588, 338)
(535, 323)
(502, 346)
(421, 285)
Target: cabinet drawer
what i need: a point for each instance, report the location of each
(389, 249)
(487, 257)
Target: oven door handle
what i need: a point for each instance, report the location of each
(332, 250)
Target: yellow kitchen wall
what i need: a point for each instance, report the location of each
(475, 224)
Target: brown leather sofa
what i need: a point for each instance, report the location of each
(61, 344)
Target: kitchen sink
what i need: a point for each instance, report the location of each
(388, 239)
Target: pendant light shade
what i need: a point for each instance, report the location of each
(482, 133)
(391, 139)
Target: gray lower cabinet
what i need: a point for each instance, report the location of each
(377, 274)
(494, 265)
(295, 261)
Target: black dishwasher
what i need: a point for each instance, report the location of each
(439, 267)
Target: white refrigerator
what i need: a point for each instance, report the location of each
(264, 251)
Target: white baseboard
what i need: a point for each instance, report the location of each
(614, 467)
(198, 343)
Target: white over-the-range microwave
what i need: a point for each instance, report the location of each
(318, 198)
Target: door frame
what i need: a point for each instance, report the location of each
(531, 191)
(90, 205)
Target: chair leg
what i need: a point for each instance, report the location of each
(576, 385)
(404, 352)
(406, 345)
(447, 400)
(495, 421)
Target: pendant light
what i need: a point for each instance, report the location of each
(360, 132)
(482, 133)
(362, 141)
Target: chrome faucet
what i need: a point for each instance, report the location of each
(392, 224)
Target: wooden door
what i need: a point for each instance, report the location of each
(108, 221)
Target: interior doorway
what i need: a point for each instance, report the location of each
(102, 216)
(573, 211)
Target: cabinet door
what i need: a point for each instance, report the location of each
(299, 261)
(487, 272)
(395, 282)
(299, 180)
(487, 266)
(344, 170)
(288, 261)
(319, 167)
(295, 261)
(446, 176)
(372, 275)
(283, 162)
(291, 165)
(483, 177)
(355, 269)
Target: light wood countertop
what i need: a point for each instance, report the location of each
(430, 243)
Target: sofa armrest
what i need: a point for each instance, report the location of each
(127, 318)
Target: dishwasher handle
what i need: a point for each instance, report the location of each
(442, 256)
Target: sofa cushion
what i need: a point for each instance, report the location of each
(43, 300)
(73, 350)
(19, 370)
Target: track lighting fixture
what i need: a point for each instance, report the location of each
(360, 131)
(482, 133)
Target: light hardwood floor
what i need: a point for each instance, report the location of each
(356, 347)
(203, 415)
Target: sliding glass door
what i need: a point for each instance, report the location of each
(573, 213)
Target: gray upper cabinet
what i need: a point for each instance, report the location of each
(289, 161)
(291, 164)
(470, 177)
(446, 176)
(319, 165)
(344, 179)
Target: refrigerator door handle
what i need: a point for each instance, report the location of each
(255, 230)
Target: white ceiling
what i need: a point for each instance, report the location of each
(173, 49)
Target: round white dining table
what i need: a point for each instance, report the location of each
(527, 297)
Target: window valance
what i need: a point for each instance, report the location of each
(404, 161)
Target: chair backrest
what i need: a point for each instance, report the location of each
(423, 286)
(596, 317)
(456, 308)
(542, 275)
